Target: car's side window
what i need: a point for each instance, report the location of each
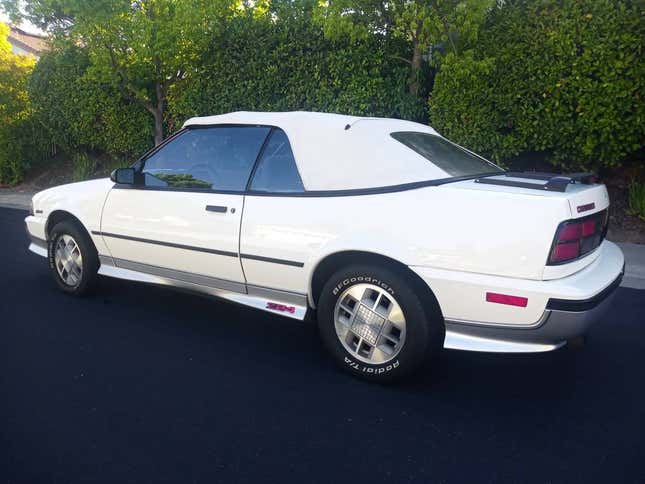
(277, 170)
(216, 158)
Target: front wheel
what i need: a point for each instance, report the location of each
(375, 325)
(73, 259)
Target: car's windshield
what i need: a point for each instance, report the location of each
(446, 155)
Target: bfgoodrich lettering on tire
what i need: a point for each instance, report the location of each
(375, 325)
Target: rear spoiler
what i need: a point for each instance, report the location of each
(554, 182)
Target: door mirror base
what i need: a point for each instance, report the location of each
(123, 176)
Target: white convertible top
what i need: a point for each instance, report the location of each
(339, 152)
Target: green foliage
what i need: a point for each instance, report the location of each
(21, 146)
(143, 48)
(81, 112)
(20, 143)
(558, 76)
(565, 77)
(147, 47)
(267, 64)
(636, 199)
(116, 162)
(423, 24)
(84, 166)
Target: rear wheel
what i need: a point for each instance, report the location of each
(73, 259)
(375, 325)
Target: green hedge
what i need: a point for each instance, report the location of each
(563, 77)
(251, 64)
(267, 65)
(22, 145)
(558, 76)
(80, 113)
(20, 140)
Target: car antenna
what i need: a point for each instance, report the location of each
(349, 125)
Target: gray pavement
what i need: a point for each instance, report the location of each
(12, 198)
(634, 253)
(634, 265)
(139, 384)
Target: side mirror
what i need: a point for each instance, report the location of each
(123, 176)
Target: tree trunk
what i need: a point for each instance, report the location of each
(157, 113)
(415, 70)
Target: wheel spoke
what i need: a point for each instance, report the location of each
(396, 316)
(68, 260)
(76, 270)
(380, 353)
(356, 292)
(342, 331)
(378, 300)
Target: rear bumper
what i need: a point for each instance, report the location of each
(561, 321)
(557, 310)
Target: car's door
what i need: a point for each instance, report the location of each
(276, 222)
(182, 217)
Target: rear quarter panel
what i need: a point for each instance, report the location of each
(504, 234)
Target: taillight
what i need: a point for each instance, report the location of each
(576, 238)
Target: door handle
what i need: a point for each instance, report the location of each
(216, 208)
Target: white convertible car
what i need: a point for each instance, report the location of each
(399, 241)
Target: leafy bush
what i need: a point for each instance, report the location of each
(80, 112)
(278, 65)
(558, 76)
(84, 166)
(21, 146)
(636, 198)
(115, 162)
(20, 140)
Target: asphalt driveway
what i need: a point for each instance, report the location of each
(143, 384)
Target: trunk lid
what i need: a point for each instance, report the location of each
(580, 195)
(583, 195)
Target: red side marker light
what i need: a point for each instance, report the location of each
(494, 297)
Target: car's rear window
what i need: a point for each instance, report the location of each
(446, 155)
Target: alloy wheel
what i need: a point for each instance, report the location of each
(370, 323)
(68, 260)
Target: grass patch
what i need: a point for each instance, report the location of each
(636, 199)
(84, 167)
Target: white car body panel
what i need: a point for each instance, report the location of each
(176, 218)
(452, 288)
(405, 227)
(83, 200)
(463, 238)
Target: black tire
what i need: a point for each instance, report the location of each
(425, 330)
(90, 265)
